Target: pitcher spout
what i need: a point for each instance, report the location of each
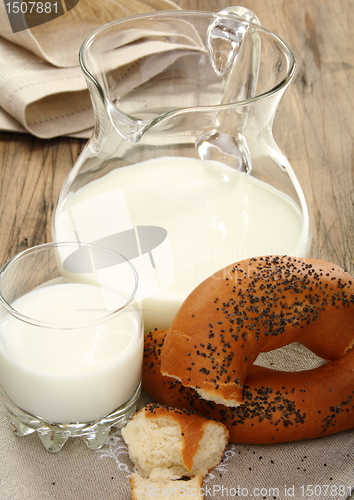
(130, 128)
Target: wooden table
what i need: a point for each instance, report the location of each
(314, 127)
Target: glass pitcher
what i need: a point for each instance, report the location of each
(182, 174)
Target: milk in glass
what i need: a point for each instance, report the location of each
(65, 374)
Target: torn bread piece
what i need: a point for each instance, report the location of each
(167, 444)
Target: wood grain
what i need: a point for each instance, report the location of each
(31, 174)
(314, 127)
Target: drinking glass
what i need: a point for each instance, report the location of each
(71, 342)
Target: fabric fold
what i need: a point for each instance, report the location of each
(43, 88)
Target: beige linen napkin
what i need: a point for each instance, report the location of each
(43, 90)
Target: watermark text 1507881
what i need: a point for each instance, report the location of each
(219, 491)
(32, 7)
(26, 14)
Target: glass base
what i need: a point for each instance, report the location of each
(54, 436)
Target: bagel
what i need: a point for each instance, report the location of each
(253, 306)
(278, 406)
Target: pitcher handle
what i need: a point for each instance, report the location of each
(229, 29)
(221, 29)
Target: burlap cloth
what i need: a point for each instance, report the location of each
(310, 469)
(43, 90)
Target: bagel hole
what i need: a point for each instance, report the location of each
(293, 357)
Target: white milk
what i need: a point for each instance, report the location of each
(214, 215)
(69, 375)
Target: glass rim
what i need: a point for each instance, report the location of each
(66, 326)
(179, 13)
